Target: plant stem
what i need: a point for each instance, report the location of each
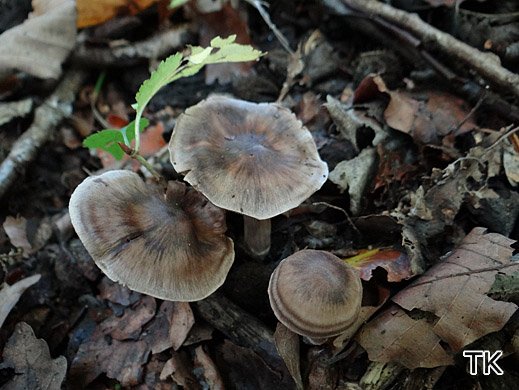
(133, 154)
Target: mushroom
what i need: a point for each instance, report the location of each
(171, 246)
(315, 294)
(255, 159)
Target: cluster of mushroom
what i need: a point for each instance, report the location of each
(254, 159)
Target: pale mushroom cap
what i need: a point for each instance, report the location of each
(315, 294)
(254, 159)
(173, 250)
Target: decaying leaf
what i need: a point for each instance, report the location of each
(9, 295)
(30, 358)
(90, 13)
(40, 44)
(511, 164)
(180, 370)
(452, 294)
(170, 327)
(209, 371)
(354, 175)
(287, 344)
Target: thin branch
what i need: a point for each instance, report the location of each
(46, 117)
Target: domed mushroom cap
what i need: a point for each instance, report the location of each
(255, 159)
(172, 249)
(315, 294)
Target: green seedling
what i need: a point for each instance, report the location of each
(176, 66)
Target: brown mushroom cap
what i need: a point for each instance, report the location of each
(254, 159)
(315, 294)
(171, 249)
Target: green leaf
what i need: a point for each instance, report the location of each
(159, 78)
(177, 3)
(107, 139)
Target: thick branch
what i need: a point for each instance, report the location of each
(486, 64)
(46, 118)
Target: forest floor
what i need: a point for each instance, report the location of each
(416, 118)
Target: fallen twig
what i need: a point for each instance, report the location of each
(46, 117)
(486, 64)
(157, 46)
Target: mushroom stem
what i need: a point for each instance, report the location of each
(256, 234)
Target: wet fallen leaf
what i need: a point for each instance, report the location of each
(209, 371)
(287, 344)
(395, 262)
(40, 44)
(9, 295)
(452, 297)
(30, 358)
(90, 13)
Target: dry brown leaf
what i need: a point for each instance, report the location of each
(90, 13)
(180, 370)
(30, 358)
(511, 164)
(114, 292)
(287, 344)
(9, 295)
(170, 327)
(209, 370)
(464, 312)
(121, 360)
(454, 291)
(40, 44)
(395, 262)
(30, 235)
(129, 325)
(393, 336)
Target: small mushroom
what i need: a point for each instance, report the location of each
(255, 159)
(171, 246)
(315, 294)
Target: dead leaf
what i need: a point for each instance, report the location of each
(209, 370)
(180, 370)
(452, 299)
(90, 13)
(121, 360)
(30, 235)
(393, 336)
(129, 325)
(287, 344)
(464, 313)
(354, 175)
(511, 164)
(395, 262)
(170, 327)
(30, 358)
(223, 23)
(9, 295)
(40, 44)
(198, 333)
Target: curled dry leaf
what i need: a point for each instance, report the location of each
(40, 44)
(9, 295)
(179, 368)
(454, 291)
(30, 358)
(30, 235)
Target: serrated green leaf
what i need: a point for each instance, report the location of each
(177, 3)
(107, 139)
(198, 58)
(221, 42)
(159, 78)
